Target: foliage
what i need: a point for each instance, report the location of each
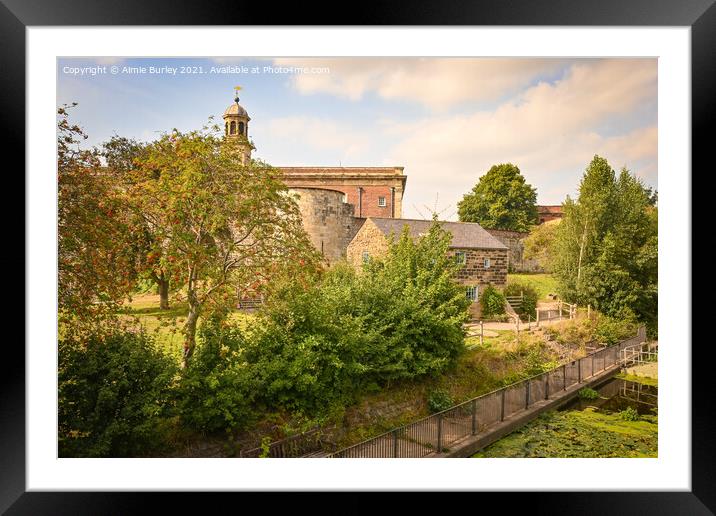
(265, 447)
(114, 393)
(588, 394)
(219, 226)
(529, 299)
(96, 247)
(123, 156)
(218, 388)
(539, 244)
(492, 302)
(629, 414)
(439, 400)
(611, 330)
(500, 200)
(605, 247)
(321, 340)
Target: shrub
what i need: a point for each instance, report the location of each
(492, 302)
(218, 387)
(588, 394)
(630, 414)
(113, 395)
(529, 301)
(439, 400)
(611, 330)
(321, 343)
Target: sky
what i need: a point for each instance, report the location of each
(446, 120)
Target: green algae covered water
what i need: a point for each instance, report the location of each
(621, 422)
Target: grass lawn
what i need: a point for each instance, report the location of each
(166, 325)
(544, 284)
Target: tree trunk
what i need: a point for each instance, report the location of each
(190, 329)
(581, 254)
(163, 291)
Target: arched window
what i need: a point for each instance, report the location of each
(241, 128)
(233, 128)
(226, 129)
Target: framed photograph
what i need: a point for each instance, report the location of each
(453, 233)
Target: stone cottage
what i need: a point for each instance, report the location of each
(482, 257)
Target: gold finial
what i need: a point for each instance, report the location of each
(236, 92)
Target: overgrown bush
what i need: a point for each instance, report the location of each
(321, 343)
(492, 302)
(218, 388)
(529, 300)
(113, 397)
(611, 330)
(439, 400)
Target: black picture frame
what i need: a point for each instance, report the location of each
(700, 15)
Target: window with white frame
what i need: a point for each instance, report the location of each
(460, 257)
(486, 263)
(471, 293)
(381, 202)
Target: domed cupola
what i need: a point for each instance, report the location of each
(236, 127)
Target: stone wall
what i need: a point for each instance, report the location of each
(514, 240)
(329, 221)
(474, 272)
(369, 239)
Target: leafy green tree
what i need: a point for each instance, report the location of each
(122, 156)
(605, 248)
(219, 226)
(539, 244)
(96, 247)
(500, 200)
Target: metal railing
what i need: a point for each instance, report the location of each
(438, 432)
(298, 445)
(638, 354)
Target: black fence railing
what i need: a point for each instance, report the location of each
(438, 432)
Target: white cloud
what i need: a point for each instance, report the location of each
(549, 131)
(319, 134)
(437, 83)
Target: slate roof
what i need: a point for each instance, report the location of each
(465, 235)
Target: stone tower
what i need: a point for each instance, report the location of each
(236, 128)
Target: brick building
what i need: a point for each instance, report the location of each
(483, 257)
(546, 213)
(373, 191)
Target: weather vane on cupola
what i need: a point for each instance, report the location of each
(236, 93)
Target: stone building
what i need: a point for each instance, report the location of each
(328, 220)
(483, 258)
